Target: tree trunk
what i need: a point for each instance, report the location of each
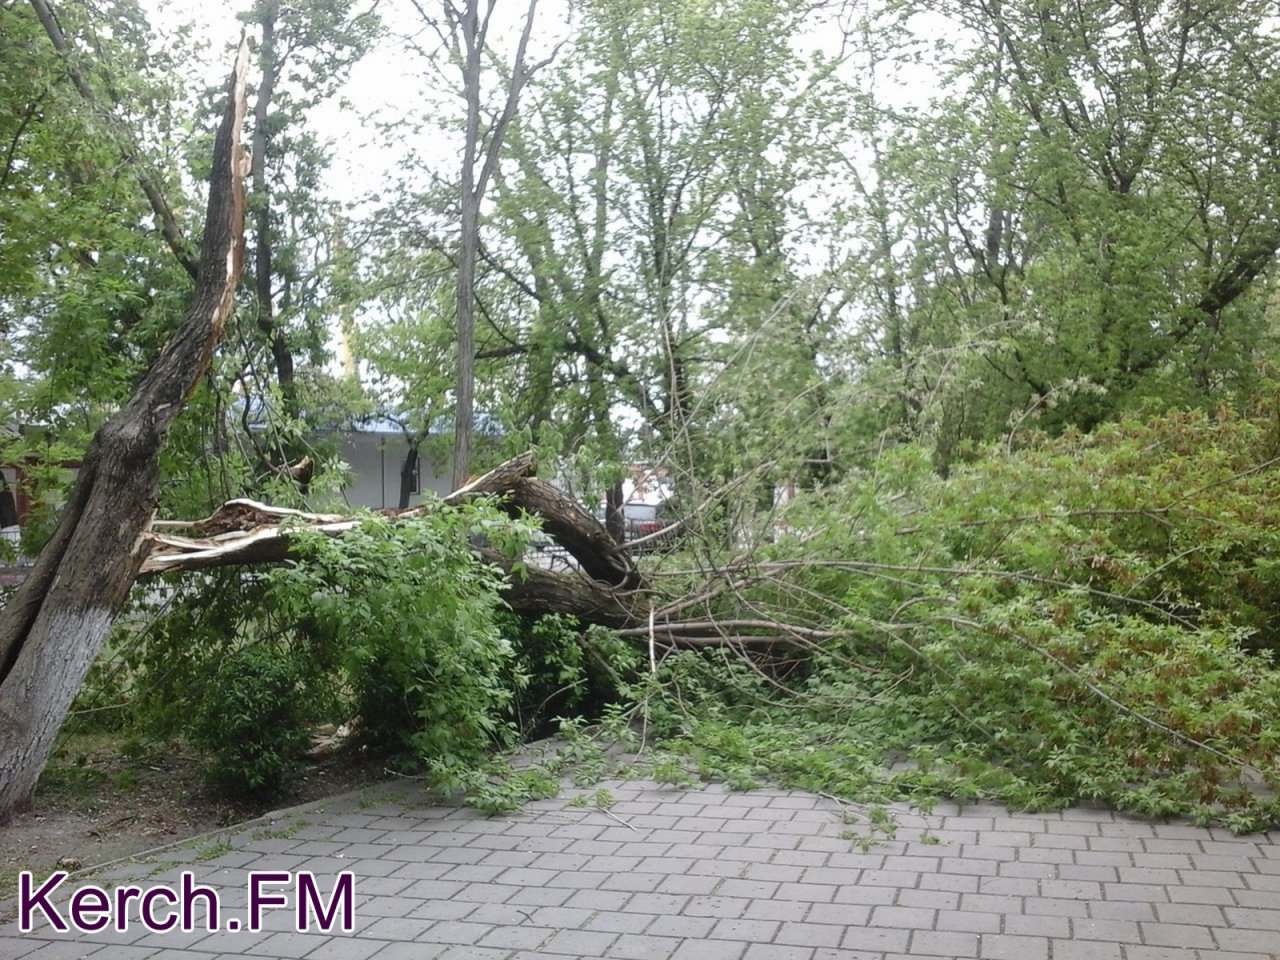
(55, 625)
(610, 593)
(606, 589)
(410, 471)
(469, 199)
(474, 31)
(281, 354)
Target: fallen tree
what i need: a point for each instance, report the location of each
(606, 588)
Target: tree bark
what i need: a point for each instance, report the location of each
(410, 471)
(606, 590)
(263, 274)
(56, 623)
(474, 30)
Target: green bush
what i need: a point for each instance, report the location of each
(251, 721)
(396, 623)
(409, 613)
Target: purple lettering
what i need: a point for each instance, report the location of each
(343, 896)
(29, 902)
(191, 892)
(123, 896)
(146, 911)
(258, 898)
(90, 909)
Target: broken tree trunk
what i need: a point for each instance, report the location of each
(55, 625)
(608, 590)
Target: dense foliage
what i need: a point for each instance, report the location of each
(1090, 617)
(972, 380)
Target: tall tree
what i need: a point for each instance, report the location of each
(306, 52)
(649, 220)
(464, 28)
(1085, 210)
(54, 626)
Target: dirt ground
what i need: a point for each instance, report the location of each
(95, 804)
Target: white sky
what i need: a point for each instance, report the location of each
(387, 84)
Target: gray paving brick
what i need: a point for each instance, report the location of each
(511, 938)
(1248, 941)
(1254, 898)
(407, 951)
(1148, 893)
(1122, 910)
(964, 922)
(974, 867)
(1055, 907)
(810, 934)
(540, 896)
(981, 903)
(910, 918)
(642, 947)
(693, 884)
(933, 943)
(1010, 886)
(1084, 950)
(598, 899)
(1185, 894)
(1071, 889)
(556, 917)
(746, 931)
(1000, 946)
(694, 928)
(474, 953)
(1176, 935)
(1253, 919)
(709, 950)
(875, 939)
(128, 952)
(619, 922)
(779, 951)
(715, 907)
(761, 875)
(397, 928)
(1125, 931)
(1038, 926)
(1205, 914)
(929, 899)
(785, 909)
(579, 943)
(954, 882)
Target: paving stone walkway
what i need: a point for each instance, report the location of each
(709, 874)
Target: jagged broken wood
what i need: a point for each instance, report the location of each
(53, 627)
(606, 591)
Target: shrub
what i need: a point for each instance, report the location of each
(251, 721)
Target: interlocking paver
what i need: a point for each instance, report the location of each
(708, 873)
(1006, 947)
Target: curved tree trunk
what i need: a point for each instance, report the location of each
(55, 625)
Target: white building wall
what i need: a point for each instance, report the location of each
(375, 460)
